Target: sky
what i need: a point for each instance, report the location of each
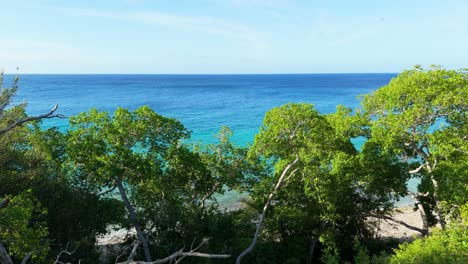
(231, 36)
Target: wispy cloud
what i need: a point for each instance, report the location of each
(244, 34)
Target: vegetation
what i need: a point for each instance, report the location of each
(313, 195)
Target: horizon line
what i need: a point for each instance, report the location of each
(289, 73)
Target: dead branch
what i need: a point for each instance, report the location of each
(107, 191)
(4, 203)
(65, 251)
(121, 254)
(26, 258)
(4, 257)
(209, 194)
(265, 208)
(417, 169)
(179, 255)
(389, 218)
(134, 251)
(20, 122)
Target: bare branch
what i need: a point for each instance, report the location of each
(291, 174)
(121, 254)
(4, 203)
(386, 217)
(65, 251)
(32, 118)
(134, 250)
(209, 194)
(265, 208)
(4, 257)
(422, 212)
(26, 258)
(177, 256)
(107, 191)
(417, 169)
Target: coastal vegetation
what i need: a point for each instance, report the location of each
(312, 195)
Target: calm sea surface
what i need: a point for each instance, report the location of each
(204, 103)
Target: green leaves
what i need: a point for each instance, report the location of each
(416, 103)
(131, 145)
(290, 128)
(420, 117)
(334, 186)
(443, 246)
(22, 227)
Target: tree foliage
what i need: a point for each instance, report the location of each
(23, 229)
(334, 188)
(312, 181)
(443, 246)
(420, 116)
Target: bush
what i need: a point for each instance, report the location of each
(443, 246)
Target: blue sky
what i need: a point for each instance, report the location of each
(231, 36)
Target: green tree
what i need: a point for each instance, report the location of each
(15, 116)
(22, 228)
(182, 204)
(443, 246)
(167, 186)
(125, 151)
(15, 161)
(324, 189)
(420, 117)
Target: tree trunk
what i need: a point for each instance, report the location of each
(310, 256)
(134, 220)
(265, 208)
(4, 257)
(439, 207)
(425, 227)
(435, 184)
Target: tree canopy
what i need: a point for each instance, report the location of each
(314, 185)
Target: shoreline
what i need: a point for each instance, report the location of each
(386, 229)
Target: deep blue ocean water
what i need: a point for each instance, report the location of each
(204, 103)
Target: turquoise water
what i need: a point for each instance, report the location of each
(204, 103)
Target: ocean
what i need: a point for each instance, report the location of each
(203, 103)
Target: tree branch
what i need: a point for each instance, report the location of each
(417, 169)
(4, 257)
(265, 208)
(209, 194)
(26, 258)
(107, 191)
(32, 118)
(4, 203)
(386, 217)
(65, 251)
(177, 256)
(134, 251)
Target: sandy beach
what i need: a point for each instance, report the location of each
(388, 229)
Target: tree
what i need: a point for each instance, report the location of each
(324, 189)
(420, 117)
(125, 151)
(19, 215)
(442, 246)
(182, 205)
(15, 116)
(167, 186)
(23, 229)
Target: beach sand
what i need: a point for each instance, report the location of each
(388, 229)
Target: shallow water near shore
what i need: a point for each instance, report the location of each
(203, 103)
